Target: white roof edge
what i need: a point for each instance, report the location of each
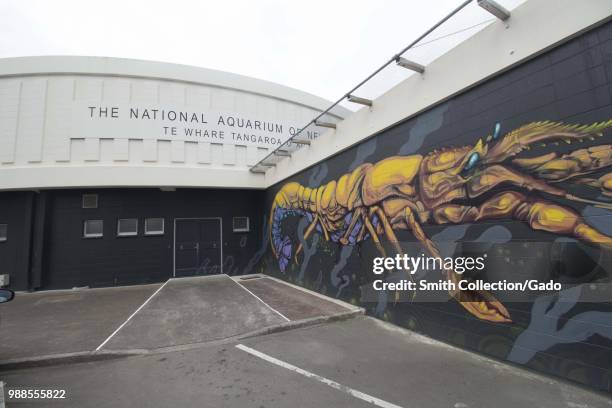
(535, 27)
(134, 68)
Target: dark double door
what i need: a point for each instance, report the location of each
(197, 247)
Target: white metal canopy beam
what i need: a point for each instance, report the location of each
(413, 66)
(362, 101)
(494, 8)
(537, 25)
(325, 124)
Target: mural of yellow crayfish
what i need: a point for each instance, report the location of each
(492, 179)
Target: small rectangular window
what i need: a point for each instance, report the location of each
(127, 227)
(90, 201)
(154, 226)
(93, 228)
(241, 224)
(3, 232)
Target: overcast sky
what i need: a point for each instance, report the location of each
(324, 47)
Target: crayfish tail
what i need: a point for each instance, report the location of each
(286, 203)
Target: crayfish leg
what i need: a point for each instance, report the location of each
(481, 304)
(539, 214)
(374, 235)
(387, 228)
(606, 184)
(543, 215)
(356, 215)
(307, 233)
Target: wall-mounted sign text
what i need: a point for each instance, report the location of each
(148, 122)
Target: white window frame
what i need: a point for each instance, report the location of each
(152, 233)
(83, 201)
(127, 234)
(90, 235)
(248, 225)
(4, 238)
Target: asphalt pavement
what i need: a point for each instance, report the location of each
(339, 364)
(252, 341)
(65, 321)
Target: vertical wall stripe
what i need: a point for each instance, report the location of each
(251, 155)
(121, 151)
(216, 153)
(92, 149)
(204, 153)
(10, 90)
(240, 156)
(178, 151)
(229, 154)
(31, 119)
(60, 92)
(149, 150)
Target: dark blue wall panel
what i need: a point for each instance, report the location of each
(567, 334)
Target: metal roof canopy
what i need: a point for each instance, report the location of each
(395, 59)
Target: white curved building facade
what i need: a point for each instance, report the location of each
(85, 121)
(116, 171)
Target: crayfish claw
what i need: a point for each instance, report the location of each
(484, 306)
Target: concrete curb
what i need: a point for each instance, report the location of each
(303, 323)
(339, 302)
(59, 359)
(277, 328)
(91, 356)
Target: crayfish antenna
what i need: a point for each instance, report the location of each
(595, 203)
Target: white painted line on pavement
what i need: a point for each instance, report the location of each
(313, 293)
(132, 315)
(258, 298)
(326, 381)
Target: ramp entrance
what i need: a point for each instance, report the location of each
(201, 309)
(190, 310)
(197, 246)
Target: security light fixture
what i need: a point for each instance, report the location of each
(90, 201)
(362, 101)
(325, 124)
(494, 8)
(413, 66)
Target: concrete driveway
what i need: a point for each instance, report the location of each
(361, 362)
(250, 341)
(45, 325)
(65, 321)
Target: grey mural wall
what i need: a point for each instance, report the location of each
(518, 168)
